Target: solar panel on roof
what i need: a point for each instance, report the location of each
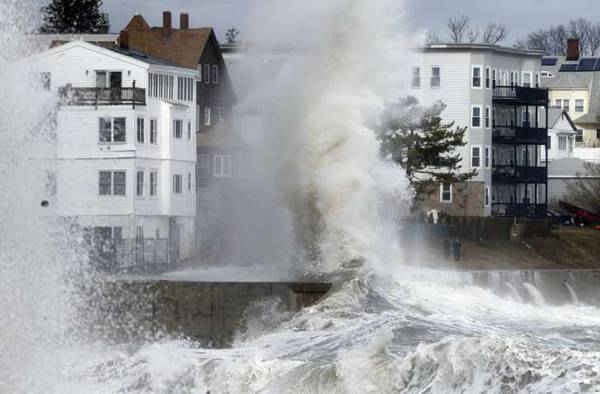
(549, 61)
(587, 64)
(568, 67)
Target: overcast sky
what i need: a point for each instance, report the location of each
(521, 16)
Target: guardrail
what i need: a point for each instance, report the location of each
(102, 96)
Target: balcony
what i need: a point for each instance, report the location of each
(519, 135)
(509, 174)
(520, 95)
(102, 96)
(520, 210)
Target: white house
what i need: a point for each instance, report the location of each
(562, 133)
(126, 151)
(491, 90)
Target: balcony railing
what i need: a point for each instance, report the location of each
(519, 135)
(519, 94)
(521, 210)
(508, 174)
(103, 96)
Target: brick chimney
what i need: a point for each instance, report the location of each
(124, 39)
(184, 21)
(573, 49)
(167, 26)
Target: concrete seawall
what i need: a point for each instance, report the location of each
(209, 312)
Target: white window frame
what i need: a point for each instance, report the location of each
(494, 77)
(139, 188)
(153, 131)
(486, 196)
(112, 130)
(438, 79)
(488, 77)
(153, 183)
(478, 147)
(177, 184)
(473, 116)
(473, 68)
(562, 143)
(487, 117)
(442, 200)
(582, 106)
(222, 166)
(112, 183)
(487, 158)
(177, 131)
(140, 131)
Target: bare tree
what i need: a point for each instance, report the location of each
(458, 27)
(231, 35)
(586, 192)
(432, 38)
(473, 36)
(554, 39)
(494, 33)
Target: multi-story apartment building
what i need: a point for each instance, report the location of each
(574, 86)
(126, 151)
(494, 92)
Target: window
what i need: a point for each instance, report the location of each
(46, 80)
(571, 144)
(537, 80)
(189, 181)
(203, 169)
(206, 73)
(140, 130)
(445, 192)
(579, 135)
(207, 113)
(220, 112)
(486, 196)
(153, 131)
(189, 130)
(476, 79)
(512, 78)
(215, 74)
(549, 142)
(486, 157)
(476, 116)
(494, 76)
(416, 78)
(435, 77)
(139, 233)
(139, 186)
(111, 183)
(527, 79)
(153, 183)
(111, 130)
(475, 156)
(597, 133)
(222, 166)
(487, 117)
(578, 105)
(558, 103)
(487, 78)
(565, 105)
(177, 184)
(178, 128)
(562, 142)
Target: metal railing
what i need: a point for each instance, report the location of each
(522, 94)
(102, 96)
(520, 210)
(524, 135)
(518, 174)
(131, 256)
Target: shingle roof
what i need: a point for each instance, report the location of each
(143, 57)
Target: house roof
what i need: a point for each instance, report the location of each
(483, 47)
(182, 47)
(144, 57)
(556, 115)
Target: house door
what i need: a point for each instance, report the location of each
(116, 81)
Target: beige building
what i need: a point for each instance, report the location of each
(574, 86)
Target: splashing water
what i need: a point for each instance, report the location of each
(391, 329)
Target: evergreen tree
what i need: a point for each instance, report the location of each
(415, 137)
(74, 16)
